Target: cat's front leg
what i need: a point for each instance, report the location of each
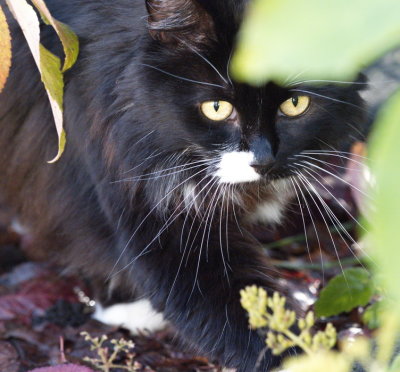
(198, 291)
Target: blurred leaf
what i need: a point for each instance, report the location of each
(68, 38)
(371, 316)
(395, 366)
(47, 63)
(387, 336)
(344, 292)
(288, 40)
(331, 362)
(385, 155)
(5, 50)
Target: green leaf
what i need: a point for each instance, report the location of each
(385, 216)
(344, 292)
(50, 68)
(53, 80)
(68, 38)
(5, 50)
(286, 40)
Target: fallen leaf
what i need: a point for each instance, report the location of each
(35, 297)
(8, 358)
(63, 368)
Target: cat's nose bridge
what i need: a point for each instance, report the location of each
(264, 158)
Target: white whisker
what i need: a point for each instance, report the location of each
(303, 220)
(336, 223)
(187, 214)
(314, 227)
(204, 59)
(329, 81)
(302, 180)
(332, 166)
(181, 77)
(145, 219)
(159, 174)
(328, 98)
(333, 196)
(337, 177)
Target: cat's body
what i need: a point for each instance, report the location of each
(152, 198)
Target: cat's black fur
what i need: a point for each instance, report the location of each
(112, 207)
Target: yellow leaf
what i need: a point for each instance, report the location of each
(5, 50)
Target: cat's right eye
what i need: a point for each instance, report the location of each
(216, 110)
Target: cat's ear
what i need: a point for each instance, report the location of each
(180, 22)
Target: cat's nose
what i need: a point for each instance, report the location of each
(263, 159)
(263, 167)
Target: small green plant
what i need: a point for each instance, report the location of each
(271, 312)
(107, 357)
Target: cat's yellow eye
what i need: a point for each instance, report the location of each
(295, 105)
(216, 110)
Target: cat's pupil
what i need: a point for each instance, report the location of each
(216, 106)
(295, 101)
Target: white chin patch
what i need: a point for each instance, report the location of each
(135, 316)
(234, 167)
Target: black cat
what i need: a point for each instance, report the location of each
(168, 161)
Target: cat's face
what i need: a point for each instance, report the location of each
(243, 134)
(250, 133)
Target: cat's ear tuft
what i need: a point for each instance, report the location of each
(180, 22)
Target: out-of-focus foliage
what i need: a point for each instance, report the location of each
(48, 64)
(385, 214)
(5, 50)
(286, 40)
(371, 315)
(331, 362)
(344, 292)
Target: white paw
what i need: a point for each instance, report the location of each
(135, 316)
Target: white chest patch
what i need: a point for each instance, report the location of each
(234, 167)
(135, 316)
(272, 211)
(268, 212)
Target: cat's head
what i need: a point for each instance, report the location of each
(202, 118)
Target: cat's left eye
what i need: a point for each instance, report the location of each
(295, 106)
(216, 110)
